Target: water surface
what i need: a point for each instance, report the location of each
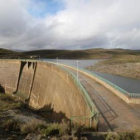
(73, 62)
(128, 84)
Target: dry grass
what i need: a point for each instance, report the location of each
(121, 59)
(133, 135)
(7, 102)
(58, 129)
(122, 65)
(33, 126)
(11, 125)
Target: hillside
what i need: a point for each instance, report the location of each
(70, 54)
(127, 65)
(8, 54)
(82, 54)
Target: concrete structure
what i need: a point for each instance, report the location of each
(115, 114)
(118, 112)
(115, 91)
(47, 88)
(53, 91)
(9, 73)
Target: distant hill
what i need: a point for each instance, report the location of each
(5, 51)
(69, 54)
(82, 54)
(8, 54)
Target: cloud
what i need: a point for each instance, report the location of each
(12, 18)
(80, 24)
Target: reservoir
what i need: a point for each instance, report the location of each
(128, 84)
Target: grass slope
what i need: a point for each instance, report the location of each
(7, 54)
(71, 54)
(126, 65)
(82, 54)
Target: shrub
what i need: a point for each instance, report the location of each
(57, 129)
(10, 125)
(65, 127)
(51, 130)
(7, 102)
(18, 105)
(5, 97)
(33, 126)
(134, 135)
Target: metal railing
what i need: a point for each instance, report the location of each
(93, 110)
(131, 95)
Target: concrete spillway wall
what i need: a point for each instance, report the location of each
(44, 87)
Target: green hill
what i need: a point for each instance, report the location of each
(8, 54)
(70, 54)
(82, 54)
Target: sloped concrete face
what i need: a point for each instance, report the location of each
(54, 88)
(25, 80)
(45, 87)
(9, 73)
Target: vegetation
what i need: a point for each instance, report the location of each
(19, 122)
(134, 135)
(8, 54)
(122, 59)
(11, 125)
(32, 126)
(82, 54)
(70, 54)
(122, 65)
(5, 51)
(7, 103)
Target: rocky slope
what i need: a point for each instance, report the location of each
(131, 70)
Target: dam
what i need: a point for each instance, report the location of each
(54, 90)
(49, 89)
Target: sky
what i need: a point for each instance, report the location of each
(69, 24)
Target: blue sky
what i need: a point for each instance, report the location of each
(40, 8)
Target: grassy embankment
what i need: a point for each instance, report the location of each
(126, 65)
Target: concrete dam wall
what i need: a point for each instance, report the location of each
(46, 88)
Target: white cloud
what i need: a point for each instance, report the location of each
(82, 24)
